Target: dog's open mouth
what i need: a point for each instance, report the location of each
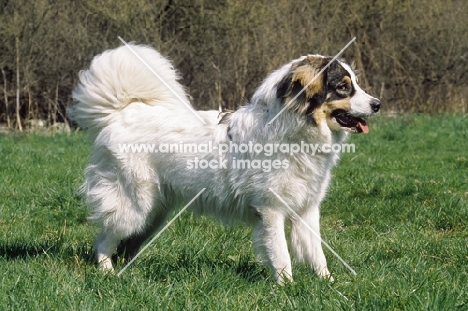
(350, 122)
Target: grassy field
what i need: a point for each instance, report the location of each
(397, 212)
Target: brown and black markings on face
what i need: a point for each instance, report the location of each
(328, 92)
(340, 89)
(304, 73)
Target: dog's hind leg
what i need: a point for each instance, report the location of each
(104, 246)
(270, 244)
(122, 206)
(306, 243)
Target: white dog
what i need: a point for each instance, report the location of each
(121, 101)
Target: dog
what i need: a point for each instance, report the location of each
(126, 99)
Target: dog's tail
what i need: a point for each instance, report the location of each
(119, 77)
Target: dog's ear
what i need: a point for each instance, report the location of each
(305, 85)
(287, 89)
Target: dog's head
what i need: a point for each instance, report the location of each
(323, 90)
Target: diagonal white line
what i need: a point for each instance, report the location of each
(162, 81)
(315, 233)
(160, 232)
(346, 298)
(313, 79)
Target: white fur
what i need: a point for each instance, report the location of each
(121, 101)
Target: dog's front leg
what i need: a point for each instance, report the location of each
(270, 244)
(307, 244)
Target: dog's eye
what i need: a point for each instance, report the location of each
(342, 87)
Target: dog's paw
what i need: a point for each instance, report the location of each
(283, 278)
(105, 265)
(325, 274)
(329, 278)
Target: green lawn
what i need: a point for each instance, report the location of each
(397, 212)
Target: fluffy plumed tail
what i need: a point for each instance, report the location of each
(116, 78)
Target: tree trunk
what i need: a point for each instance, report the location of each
(5, 94)
(18, 117)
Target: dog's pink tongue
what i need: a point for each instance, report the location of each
(364, 128)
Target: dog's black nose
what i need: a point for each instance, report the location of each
(375, 105)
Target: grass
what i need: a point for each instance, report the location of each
(397, 212)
